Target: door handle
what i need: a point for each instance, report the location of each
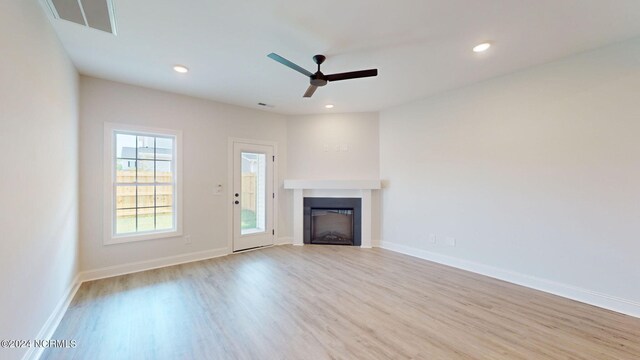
(236, 202)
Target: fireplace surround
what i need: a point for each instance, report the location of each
(360, 189)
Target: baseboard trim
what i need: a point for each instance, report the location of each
(284, 241)
(134, 267)
(50, 326)
(623, 306)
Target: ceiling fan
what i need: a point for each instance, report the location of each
(320, 79)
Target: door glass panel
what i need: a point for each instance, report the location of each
(253, 196)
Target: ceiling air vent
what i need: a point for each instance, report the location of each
(96, 14)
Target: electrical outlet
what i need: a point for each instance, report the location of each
(451, 241)
(432, 238)
(187, 239)
(218, 190)
(344, 147)
(325, 147)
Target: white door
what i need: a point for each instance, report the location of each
(252, 196)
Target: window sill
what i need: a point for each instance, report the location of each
(141, 237)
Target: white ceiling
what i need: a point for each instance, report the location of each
(421, 47)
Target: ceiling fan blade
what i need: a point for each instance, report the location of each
(289, 64)
(310, 90)
(352, 75)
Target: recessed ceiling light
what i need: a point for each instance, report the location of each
(329, 106)
(482, 47)
(181, 69)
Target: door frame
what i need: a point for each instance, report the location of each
(276, 186)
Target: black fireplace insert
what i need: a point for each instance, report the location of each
(332, 221)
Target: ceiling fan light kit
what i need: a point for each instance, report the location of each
(319, 79)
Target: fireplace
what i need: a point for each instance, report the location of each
(333, 221)
(358, 191)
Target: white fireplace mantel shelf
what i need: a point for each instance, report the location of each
(332, 188)
(294, 184)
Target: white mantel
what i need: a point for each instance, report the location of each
(331, 188)
(332, 184)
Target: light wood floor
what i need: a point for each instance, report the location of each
(321, 302)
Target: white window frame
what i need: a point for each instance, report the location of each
(110, 236)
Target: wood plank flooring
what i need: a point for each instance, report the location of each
(330, 302)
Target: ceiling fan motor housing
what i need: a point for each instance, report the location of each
(318, 79)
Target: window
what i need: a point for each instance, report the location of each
(142, 178)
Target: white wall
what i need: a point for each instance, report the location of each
(206, 126)
(336, 147)
(38, 140)
(537, 172)
(333, 146)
